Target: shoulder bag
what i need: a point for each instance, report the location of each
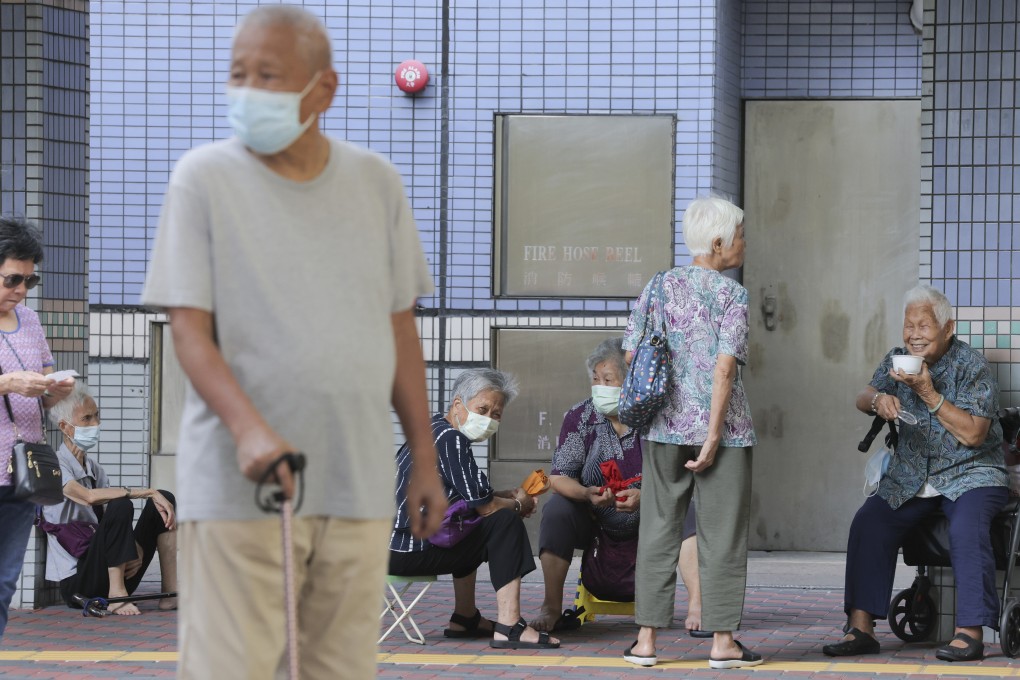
(74, 536)
(34, 468)
(459, 521)
(646, 387)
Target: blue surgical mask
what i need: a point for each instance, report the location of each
(85, 437)
(267, 121)
(606, 399)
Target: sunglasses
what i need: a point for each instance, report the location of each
(15, 280)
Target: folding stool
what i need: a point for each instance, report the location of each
(586, 605)
(393, 603)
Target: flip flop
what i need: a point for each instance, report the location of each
(646, 660)
(513, 634)
(700, 633)
(747, 658)
(470, 624)
(569, 620)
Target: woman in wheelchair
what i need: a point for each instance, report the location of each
(951, 459)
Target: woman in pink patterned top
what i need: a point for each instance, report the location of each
(701, 441)
(25, 359)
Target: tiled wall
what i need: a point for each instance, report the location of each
(829, 48)
(44, 161)
(970, 214)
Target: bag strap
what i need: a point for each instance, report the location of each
(10, 411)
(7, 401)
(654, 295)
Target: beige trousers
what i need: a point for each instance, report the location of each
(232, 619)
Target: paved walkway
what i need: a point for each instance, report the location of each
(793, 606)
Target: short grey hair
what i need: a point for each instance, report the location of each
(313, 42)
(64, 409)
(707, 219)
(474, 380)
(610, 349)
(926, 295)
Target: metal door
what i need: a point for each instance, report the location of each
(832, 208)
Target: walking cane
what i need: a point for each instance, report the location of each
(276, 502)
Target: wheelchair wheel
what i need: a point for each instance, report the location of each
(1009, 629)
(912, 618)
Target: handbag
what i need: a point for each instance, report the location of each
(74, 536)
(608, 567)
(34, 468)
(646, 388)
(459, 521)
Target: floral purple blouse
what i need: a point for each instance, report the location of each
(706, 314)
(587, 439)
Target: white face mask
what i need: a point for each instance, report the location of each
(606, 399)
(85, 437)
(267, 121)
(477, 427)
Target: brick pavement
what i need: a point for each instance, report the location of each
(787, 625)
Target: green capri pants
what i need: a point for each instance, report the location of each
(722, 494)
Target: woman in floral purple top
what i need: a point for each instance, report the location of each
(701, 441)
(582, 510)
(26, 360)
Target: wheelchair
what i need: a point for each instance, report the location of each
(913, 614)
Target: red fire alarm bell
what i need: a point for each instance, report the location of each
(412, 76)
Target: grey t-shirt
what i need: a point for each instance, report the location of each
(59, 563)
(302, 278)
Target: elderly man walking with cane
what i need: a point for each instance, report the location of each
(289, 263)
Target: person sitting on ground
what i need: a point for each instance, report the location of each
(500, 538)
(118, 554)
(583, 509)
(951, 459)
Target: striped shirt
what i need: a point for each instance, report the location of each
(457, 468)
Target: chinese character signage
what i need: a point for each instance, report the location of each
(550, 364)
(584, 204)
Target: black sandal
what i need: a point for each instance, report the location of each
(513, 634)
(470, 624)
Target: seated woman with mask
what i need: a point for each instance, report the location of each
(120, 551)
(584, 510)
(500, 538)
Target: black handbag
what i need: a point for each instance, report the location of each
(34, 467)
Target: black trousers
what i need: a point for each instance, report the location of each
(113, 544)
(500, 539)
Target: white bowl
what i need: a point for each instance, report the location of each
(907, 363)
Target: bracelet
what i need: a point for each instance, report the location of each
(874, 401)
(128, 492)
(942, 400)
(517, 506)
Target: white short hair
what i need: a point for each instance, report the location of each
(63, 410)
(313, 42)
(707, 219)
(926, 295)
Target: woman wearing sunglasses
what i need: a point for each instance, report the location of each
(26, 361)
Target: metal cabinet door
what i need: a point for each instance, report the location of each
(832, 209)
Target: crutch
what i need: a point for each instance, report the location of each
(97, 606)
(275, 501)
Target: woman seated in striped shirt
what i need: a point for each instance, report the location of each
(500, 538)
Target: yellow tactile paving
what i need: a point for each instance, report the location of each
(889, 669)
